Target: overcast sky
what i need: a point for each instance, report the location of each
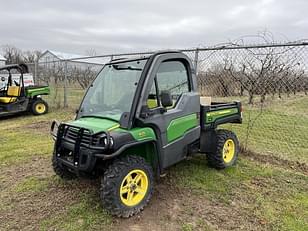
(139, 25)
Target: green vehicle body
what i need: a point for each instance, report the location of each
(162, 136)
(36, 91)
(176, 129)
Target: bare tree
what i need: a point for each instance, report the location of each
(91, 52)
(12, 54)
(218, 81)
(86, 77)
(266, 71)
(31, 56)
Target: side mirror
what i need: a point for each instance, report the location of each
(166, 99)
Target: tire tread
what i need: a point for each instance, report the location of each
(215, 159)
(111, 180)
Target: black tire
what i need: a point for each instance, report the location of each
(61, 171)
(113, 179)
(39, 107)
(218, 158)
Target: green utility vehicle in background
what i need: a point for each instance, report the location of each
(138, 117)
(18, 95)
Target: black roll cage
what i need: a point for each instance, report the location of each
(21, 68)
(127, 119)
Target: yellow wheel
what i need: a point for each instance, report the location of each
(226, 152)
(134, 187)
(39, 107)
(127, 186)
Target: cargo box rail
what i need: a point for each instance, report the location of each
(220, 113)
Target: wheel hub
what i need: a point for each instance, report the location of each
(134, 187)
(228, 150)
(40, 108)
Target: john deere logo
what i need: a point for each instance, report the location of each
(142, 134)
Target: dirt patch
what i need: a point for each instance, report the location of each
(276, 161)
(36, 166)
(25, 210)
(38, 127)
(171, 208)
(174, 208)
(162, 213)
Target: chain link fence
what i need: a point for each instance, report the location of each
(272, 83)
(270, 80)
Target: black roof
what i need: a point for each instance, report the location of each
(22, 68)
(146, 56)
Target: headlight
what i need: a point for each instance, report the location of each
(105, 141)
(111, 142)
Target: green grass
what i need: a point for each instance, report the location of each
(187, 227)
(201, 225)
(216, 183)
(20, 142)
(87, 214)
(280, 129)
(271, 194)
(32, 184)
(56, 97)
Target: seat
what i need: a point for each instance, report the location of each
(12, 93)
(152, 103)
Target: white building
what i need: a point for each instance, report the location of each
(2, 61)
(55, 58)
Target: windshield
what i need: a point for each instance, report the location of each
(113, 90)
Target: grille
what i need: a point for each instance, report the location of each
(86, 138)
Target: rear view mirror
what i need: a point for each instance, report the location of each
(166, 99)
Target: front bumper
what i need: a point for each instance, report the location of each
(84, 160)
(75, 147)
(79, 149)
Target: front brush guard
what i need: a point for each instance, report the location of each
(77, 147)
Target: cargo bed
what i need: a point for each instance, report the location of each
(219, 113)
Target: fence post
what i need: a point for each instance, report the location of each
(65, 85)
(196, 60)
(111, 58)
(35, 71)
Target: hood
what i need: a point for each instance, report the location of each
(95, 124)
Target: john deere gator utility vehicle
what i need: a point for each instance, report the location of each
(138, 117)
(16, 96)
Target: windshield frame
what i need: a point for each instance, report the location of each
(126, 115)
